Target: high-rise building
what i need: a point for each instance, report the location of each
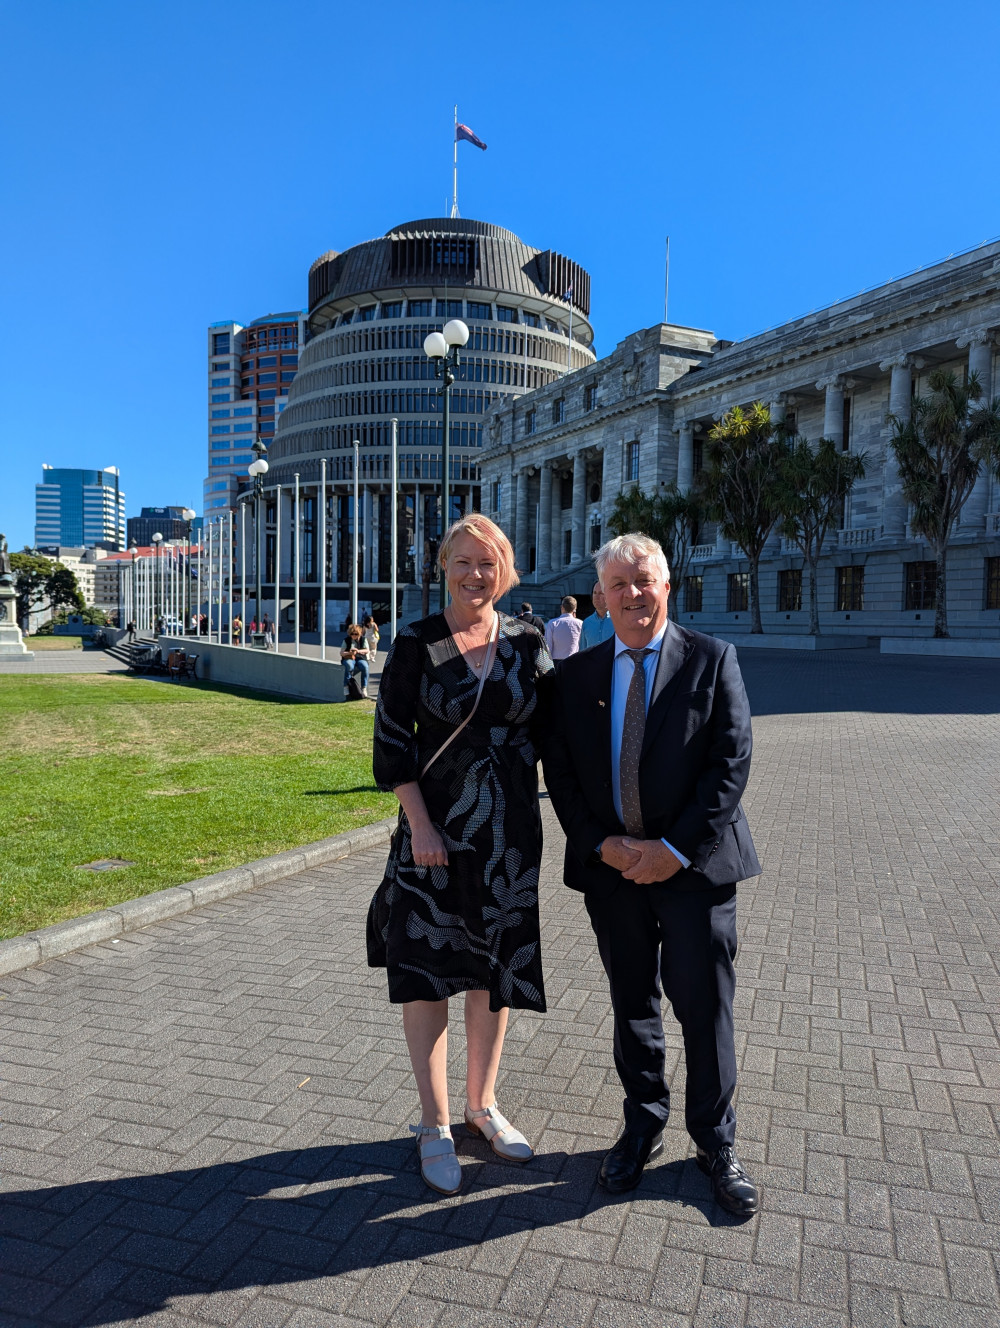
(84, 508)
(250, 370)
(370, 308)
(166, 521)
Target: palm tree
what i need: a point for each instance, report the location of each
(940, 451)
(671, 518)
(812, 489)
(746, 450)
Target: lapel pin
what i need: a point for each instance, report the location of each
(600, 703)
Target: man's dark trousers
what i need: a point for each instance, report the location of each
(648, 936)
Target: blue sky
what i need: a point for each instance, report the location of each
(167, 165)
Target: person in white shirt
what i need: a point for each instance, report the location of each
(562, 634)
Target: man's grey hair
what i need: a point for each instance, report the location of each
(630, 549)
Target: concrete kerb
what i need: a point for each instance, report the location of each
(63, 937)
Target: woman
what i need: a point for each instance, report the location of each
(354, 657)
(370, 629)
(457, 910)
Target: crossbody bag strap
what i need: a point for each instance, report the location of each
(487, 669)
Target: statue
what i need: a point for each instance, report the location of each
(6, 575)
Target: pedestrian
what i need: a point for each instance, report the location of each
(369, 628)
(533, 619)
(657, 848)
(267, 626)
(562, 634)
(354, 657)
(457, 910)
(253, 626)
(129, 632)
(237, 630)
(598, 626)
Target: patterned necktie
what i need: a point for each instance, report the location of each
(635, 723)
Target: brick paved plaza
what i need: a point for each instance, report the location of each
(205, 1123)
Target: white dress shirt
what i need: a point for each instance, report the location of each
(562, 635)
(621, 677)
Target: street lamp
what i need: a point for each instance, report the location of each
(443, 347)
(157, 574)
(188, 515)
(258, 468)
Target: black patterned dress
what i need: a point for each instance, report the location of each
(473, 925)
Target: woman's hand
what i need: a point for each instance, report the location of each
(427, 846)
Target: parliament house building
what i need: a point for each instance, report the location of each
(361, 364)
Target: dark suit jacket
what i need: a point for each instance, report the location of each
(693, 769)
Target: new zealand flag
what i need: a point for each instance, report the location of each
(464, 132)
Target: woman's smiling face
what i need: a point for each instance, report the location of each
(471, 572)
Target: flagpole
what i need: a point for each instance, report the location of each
(569, 348)
(666, 281)
(454, 169)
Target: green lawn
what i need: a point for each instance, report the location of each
(181, 780)
(54, 642)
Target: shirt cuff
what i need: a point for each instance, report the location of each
(685, 862)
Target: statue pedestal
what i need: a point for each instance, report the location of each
(12, 647)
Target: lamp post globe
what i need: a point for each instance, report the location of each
(456, 333)
(257, 469)
(435, 346)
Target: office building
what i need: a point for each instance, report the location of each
(370, 308)
(250, 370)
(166, 521)
(556, 459)
(79, 508)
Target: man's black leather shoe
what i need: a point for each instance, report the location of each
(732, 1187)
(622, 1168)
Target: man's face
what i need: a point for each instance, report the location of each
(636, 595)
(600, 603)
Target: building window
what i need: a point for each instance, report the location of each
(220, 428)
(366, 314)
(921, 585)
(505, 315)
(221, 367)
(287, 375)
(790, 590)
(481, 311)
(243, 428)
(590, 396)
(595, 536)
(222, 396)
(693, 587)
(531, 320)
(268, 394)
(220, 414)
(420, 308)
(243, 410)
(293, 360)
(266, 362)
(738, 593)
(247, 382)
(220, 382)
(267, 378)
(496, 496)
(845, 435)
(992, 569)
(559, 410)
(346, 317)
(529, 422)
(567, 546)
(220, 443)
(267, 410)
(449, 308)
(220, 343)
(394, 310)
(632, 463)
(850, 589)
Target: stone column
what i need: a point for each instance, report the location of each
(980, 344)
(558, 556)
(579, 506)
(685, 456)
(894, 505)
(418, 535)
(833, 408)
(543, 554)
(522, 523)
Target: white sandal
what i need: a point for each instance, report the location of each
(439, 1164)
(498, 1132)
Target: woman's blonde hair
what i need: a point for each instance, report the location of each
(355, 631)
(489, 534)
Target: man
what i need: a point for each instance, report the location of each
(562, 634)
(532, 618)
(598, 626)
(648, 756)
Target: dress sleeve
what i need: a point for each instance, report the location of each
(395, 757)
(544, 671)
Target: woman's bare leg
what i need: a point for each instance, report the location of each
(425, 1024)
(484, 1034)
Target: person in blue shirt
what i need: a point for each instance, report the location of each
(598, 627)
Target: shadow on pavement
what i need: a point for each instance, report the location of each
(798, 682)
(101, 1252)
